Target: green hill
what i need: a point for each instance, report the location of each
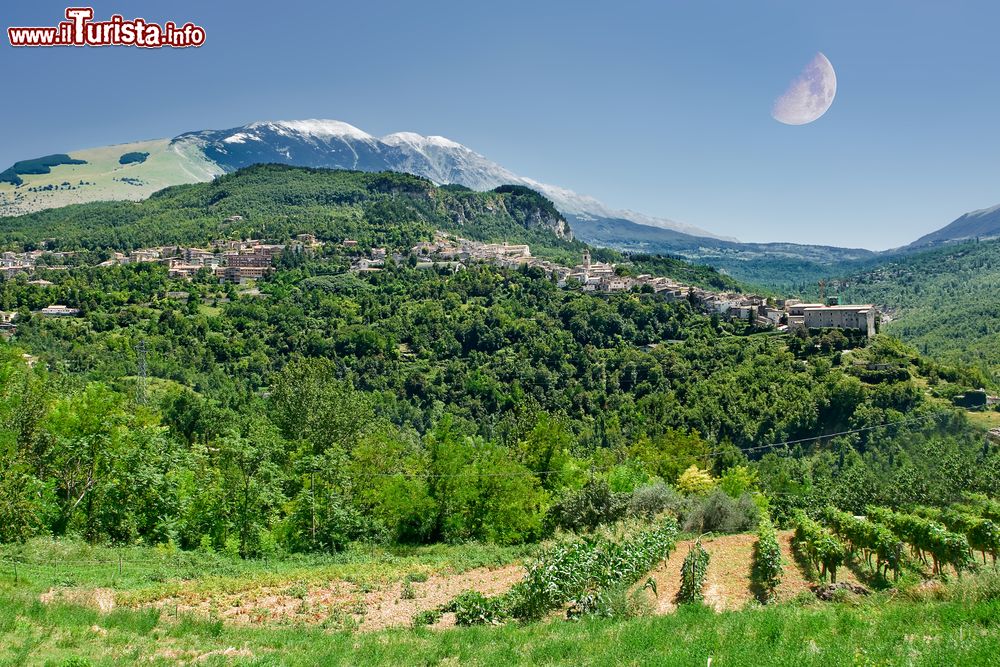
(357, 449)
(943, 301)
(276, 202)
(100, 174)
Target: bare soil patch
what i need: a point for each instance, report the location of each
(343, 604)
(101, 599)
(727, 582)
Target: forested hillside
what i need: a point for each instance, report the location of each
(416, 405)
(943, 301)
(276, 202)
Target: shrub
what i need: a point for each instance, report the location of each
(765, 573)
(427, 617)
(870, 538)
(693, 572)
(696, 481)
(474, 608)
(407, 592)
(648, 501)
(983, 534)
(738, 480)
(593, 505)
(719, 513)
(927, 537)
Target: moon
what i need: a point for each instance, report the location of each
(809, 96)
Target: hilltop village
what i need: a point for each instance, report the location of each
(244, 261)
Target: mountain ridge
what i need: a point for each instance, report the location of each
(982, 224)
(203, 154)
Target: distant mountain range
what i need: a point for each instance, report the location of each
(135, 171)
(202, 155)
(983, 224)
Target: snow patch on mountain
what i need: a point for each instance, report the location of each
(339, 145)
(313, 127)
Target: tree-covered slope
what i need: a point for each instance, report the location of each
(277, 202)
(981, 224)
(945, 301)
(417, 404)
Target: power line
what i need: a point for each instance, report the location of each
(711, 454)
(140, 376)
(820, 437)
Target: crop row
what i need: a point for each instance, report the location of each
(926, 537)
(868, 537)
(983, 534)
(577, 573)
(818, 545)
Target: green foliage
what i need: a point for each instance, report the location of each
(693, 572)
(417, 406)
(738, 480)
(571, 573)
(134, 157)
(651, 500)
(819, 546)
(943, 302)
(868, 537)
(474, 608)
(592, 506)
(926, 537)
(767, 566)
(983, 534)
(720, 513)
(40, 165)
(952, 631)
(696, 481)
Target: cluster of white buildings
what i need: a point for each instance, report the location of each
(238, 261)
(591, 276)
(793, 313)
(228, 260)
(14, 263)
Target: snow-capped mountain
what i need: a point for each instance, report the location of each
(335, 144)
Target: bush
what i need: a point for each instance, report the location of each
(474, 608)
(721, 514)
(593, 505)
(818, 545)
(695, 480)
(926, 537)
(427, 617)
(648, 501)
(738, 480)
(693, 572)
(870, 538)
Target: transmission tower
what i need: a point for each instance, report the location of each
(140, 376)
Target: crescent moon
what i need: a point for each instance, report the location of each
(809, 96)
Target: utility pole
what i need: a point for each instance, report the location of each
(140, 380)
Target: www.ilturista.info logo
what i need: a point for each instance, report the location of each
(79, 29)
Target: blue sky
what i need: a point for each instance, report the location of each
(661, 107)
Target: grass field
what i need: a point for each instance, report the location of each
(874, 632)
(102, 174)
(76, 604)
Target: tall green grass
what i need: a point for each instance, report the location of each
(877, 632)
